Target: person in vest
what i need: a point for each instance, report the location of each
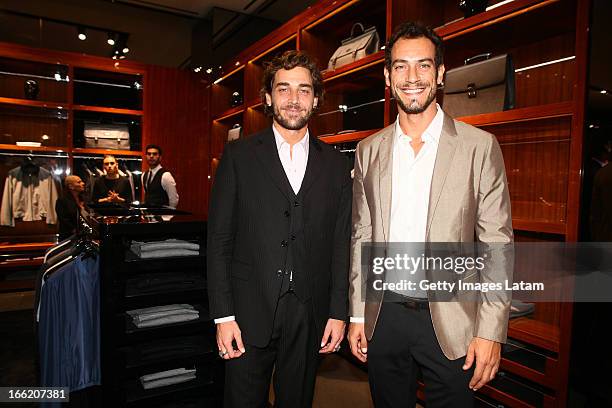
(278, 246)
(158, 184)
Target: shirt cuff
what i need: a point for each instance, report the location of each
(357, 319)
(225, 319)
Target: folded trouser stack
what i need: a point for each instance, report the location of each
(164, 249)
(160, 315)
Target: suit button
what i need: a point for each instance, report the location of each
(287, 213)
(279, 273)
(284, 244)
(296, 204)
(293, 237)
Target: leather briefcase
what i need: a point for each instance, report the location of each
(355, 47)
(103, 136)
(234, 133)
(480, 87)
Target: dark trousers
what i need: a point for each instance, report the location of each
(292, 354)
(403, 342)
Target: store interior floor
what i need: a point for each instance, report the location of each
(339, 382)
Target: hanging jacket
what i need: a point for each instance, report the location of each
(30, 197)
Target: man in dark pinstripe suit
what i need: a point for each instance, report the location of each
(278, 246)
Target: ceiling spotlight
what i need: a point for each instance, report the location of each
(126, 50)
(137, 85)
(209, 71)
(111, 39)
(603, 92)
(82, 36)
(45, 137)
(57, 76)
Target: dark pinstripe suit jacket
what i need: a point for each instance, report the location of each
(249, 219)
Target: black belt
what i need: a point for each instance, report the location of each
(408, 303)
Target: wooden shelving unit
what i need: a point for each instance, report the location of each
(541, 138)
(54, 119)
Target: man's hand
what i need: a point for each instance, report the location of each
(332, 336)
(226, 333)
(488, 355)
(358, 341)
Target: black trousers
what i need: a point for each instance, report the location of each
(292, 354)
(404, 342)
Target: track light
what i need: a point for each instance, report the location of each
(82, 36)
(111, 39)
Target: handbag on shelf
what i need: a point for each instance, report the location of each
(234, 133)
(480, 87)
(107, 136)
(355, 47)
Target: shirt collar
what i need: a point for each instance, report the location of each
(431, 134)
(154, 169)
(280, 141)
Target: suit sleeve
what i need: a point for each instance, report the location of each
(67, 219)
(6, 215)
(494, 226)
(221, 233)
(338, 306)
(361, 232)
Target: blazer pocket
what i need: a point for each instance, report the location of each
(241, 270)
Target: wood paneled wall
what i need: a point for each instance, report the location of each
(177, 105)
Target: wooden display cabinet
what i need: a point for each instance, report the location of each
(541, 138)
(72, 88)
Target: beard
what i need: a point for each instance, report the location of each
(413, 106)
(296, 122)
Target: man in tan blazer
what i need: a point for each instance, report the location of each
(425, 178)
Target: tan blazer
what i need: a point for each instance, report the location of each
(468, 201)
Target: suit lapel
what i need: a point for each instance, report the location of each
(444, 157)
(385, 180)
(313, 166)
(267, 154)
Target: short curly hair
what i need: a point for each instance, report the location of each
(289, 60)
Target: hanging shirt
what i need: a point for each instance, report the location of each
(29, 197)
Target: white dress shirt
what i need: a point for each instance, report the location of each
(167, 183)
(411, 184)
(294, 163)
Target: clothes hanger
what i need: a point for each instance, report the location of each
(49, 252)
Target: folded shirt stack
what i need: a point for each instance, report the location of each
(169, 377)
(164, 249)
(160, 315)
